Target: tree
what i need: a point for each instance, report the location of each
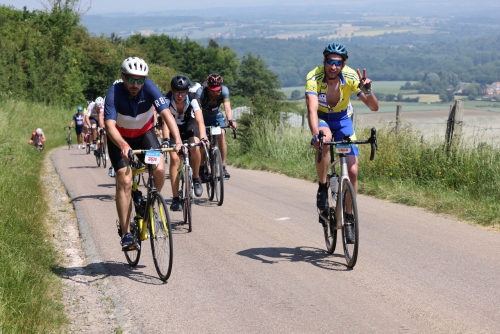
(295, 94)
(254, 77)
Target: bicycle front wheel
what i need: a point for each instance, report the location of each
(218, 177)
(161, 236)
(350, 226)
(186, 205)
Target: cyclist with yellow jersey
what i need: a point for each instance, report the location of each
(328, 92)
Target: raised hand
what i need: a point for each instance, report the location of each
(365, 84)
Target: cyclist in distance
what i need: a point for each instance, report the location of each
(37, 136)
(211, 95)
(93, 118)
(189, 119)
(128, 118)
(328, 91)
(78, 120)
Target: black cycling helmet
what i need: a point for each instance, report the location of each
(336, 48)
(180, 82)
(214, 79)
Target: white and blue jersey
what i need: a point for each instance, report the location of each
(133, 115)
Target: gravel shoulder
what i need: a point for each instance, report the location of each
(88, 297)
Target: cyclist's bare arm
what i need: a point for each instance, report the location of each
(101, 120)
(168, 118)
(312, 112)
(229, 113)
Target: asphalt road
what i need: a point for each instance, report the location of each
(258, 264)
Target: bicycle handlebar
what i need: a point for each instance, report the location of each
(224, 127)
(67, 127)
(372, 140)
(131, 154)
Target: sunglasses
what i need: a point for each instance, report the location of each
(180, 93)
(131, 80)
(335, 62)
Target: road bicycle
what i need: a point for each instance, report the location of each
(68, 138)
(342, 212)
(213, 165)
(100, 152)
(150, 215)
(186, 193)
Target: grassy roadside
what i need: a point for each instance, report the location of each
(464, 183)
(30, 289)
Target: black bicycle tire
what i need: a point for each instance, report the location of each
(87, 145)
(162, 231)
(211, 181)
(133, 256)
(350, 250)
(97, 154)
(103, 151)
(329, 230)
(186, 208)
(218, 177)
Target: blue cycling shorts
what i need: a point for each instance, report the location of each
(340, 124)
(214, 119)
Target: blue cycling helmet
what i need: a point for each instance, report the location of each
(79, 108)
(336, 48)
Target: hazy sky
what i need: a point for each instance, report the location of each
(106, 6)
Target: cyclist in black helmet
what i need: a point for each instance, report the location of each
(189, 118)
(328, 91)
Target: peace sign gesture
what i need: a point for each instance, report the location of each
(365, 84)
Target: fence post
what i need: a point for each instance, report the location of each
(398, 118)
(303, 125)
(281, 125)
(455, 122)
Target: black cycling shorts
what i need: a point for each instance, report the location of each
(187, 130)
(146, 141)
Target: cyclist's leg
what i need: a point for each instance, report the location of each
(193, 134)
(94, 130)
(123, 187)
(322, 166)
(79, 134)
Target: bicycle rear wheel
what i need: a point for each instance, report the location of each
(160, 234)
(349, 205)
(186, 197)
(133, 256)
(97, 154)
(87, 143)
(218, 177)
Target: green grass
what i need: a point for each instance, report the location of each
(30, 289)
(463, 182)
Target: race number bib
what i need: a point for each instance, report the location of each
(343, 148)
(152, 157)
(215, 130)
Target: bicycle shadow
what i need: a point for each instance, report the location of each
(109, 185)
(103, 198)
(80, 167)
(94, 272)
(315, 256)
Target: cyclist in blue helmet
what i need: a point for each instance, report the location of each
(328, 92)
(78, 120)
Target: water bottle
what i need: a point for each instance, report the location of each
(137, 197)
(334, 186)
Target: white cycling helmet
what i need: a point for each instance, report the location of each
(135, 66)
(99, 101)
(194, 87)
(38, 131)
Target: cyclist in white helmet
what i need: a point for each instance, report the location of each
(93, 117)
(37, 137)
(128, 117)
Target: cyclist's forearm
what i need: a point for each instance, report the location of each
(168, 118)
(113, 134)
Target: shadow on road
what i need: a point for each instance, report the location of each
(104, 198)
(97, 271)
(109, 185)
(315, 256)
(80, 167)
